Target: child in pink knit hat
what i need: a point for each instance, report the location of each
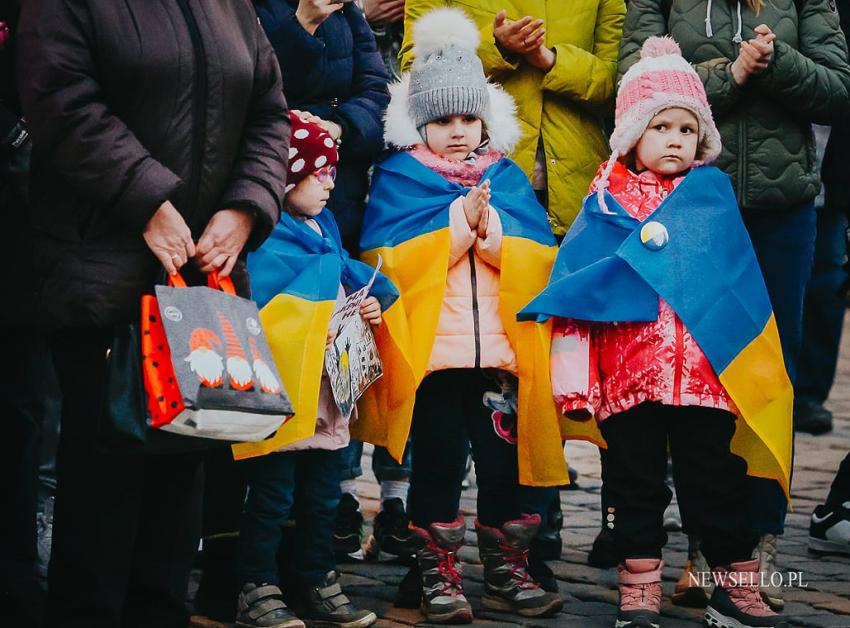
(653, 275)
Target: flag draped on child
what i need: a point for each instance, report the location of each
(694, 252)
(407, 224)
(295, 279)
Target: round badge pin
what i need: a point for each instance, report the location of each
(654, 236)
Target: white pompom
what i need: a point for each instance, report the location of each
(442, 28)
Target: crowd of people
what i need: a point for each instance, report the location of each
(603, 223)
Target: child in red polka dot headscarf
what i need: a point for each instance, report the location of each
(312, 166)
(299, 276)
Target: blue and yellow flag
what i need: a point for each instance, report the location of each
(295, 279)
(695, 253)
(407, 224)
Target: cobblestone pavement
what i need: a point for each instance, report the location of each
(590, 594)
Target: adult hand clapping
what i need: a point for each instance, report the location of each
(755, 55)
(526, 37)
(521, 36)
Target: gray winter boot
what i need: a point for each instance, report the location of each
(443, 601)
(507, 584)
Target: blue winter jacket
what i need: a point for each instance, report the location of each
(337, 74)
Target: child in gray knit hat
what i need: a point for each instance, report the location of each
(443, 210)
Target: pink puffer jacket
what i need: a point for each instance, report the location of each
(606, 368)
(470, 332)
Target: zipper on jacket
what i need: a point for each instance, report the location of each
(679, 361)
(199, 108)
(476, 324)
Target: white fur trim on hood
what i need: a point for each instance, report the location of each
(499, 120)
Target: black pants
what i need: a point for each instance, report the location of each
(304, 483)
(840, 490)
(448, 417)
(23, 412)
(125, 527)
(709, 479)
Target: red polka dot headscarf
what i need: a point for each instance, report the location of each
(310, 148)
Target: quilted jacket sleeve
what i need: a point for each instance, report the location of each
(574, 369)
(361, 113)
(259, 173)
(646, 18)
(588, 76)
(67, 109)
(297, 50)
(814, 80)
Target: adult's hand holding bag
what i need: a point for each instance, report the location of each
(208, 370)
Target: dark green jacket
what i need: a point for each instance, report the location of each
(765, 125)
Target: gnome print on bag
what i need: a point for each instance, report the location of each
(207, 364)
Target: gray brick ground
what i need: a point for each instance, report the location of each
(590, 594)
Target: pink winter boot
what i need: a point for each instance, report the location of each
(736, 600)
(640, 593)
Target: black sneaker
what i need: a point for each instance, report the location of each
(810, 417)
(391, 533)
(349, 529)
(829, 530)
(327, 605)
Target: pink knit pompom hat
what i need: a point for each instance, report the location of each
(662, 79)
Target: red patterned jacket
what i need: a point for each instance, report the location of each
(606, 368)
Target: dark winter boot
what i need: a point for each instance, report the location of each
(443, 601)
(391, 532)
(327, 605)
(507, 584)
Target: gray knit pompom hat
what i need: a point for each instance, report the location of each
(447, 77)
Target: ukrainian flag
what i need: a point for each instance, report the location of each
(407, 224)
(295, 279)
(695, 253)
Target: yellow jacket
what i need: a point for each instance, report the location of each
(565, 106)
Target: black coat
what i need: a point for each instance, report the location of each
(131, 104)
(837, 155)
(336, 74)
